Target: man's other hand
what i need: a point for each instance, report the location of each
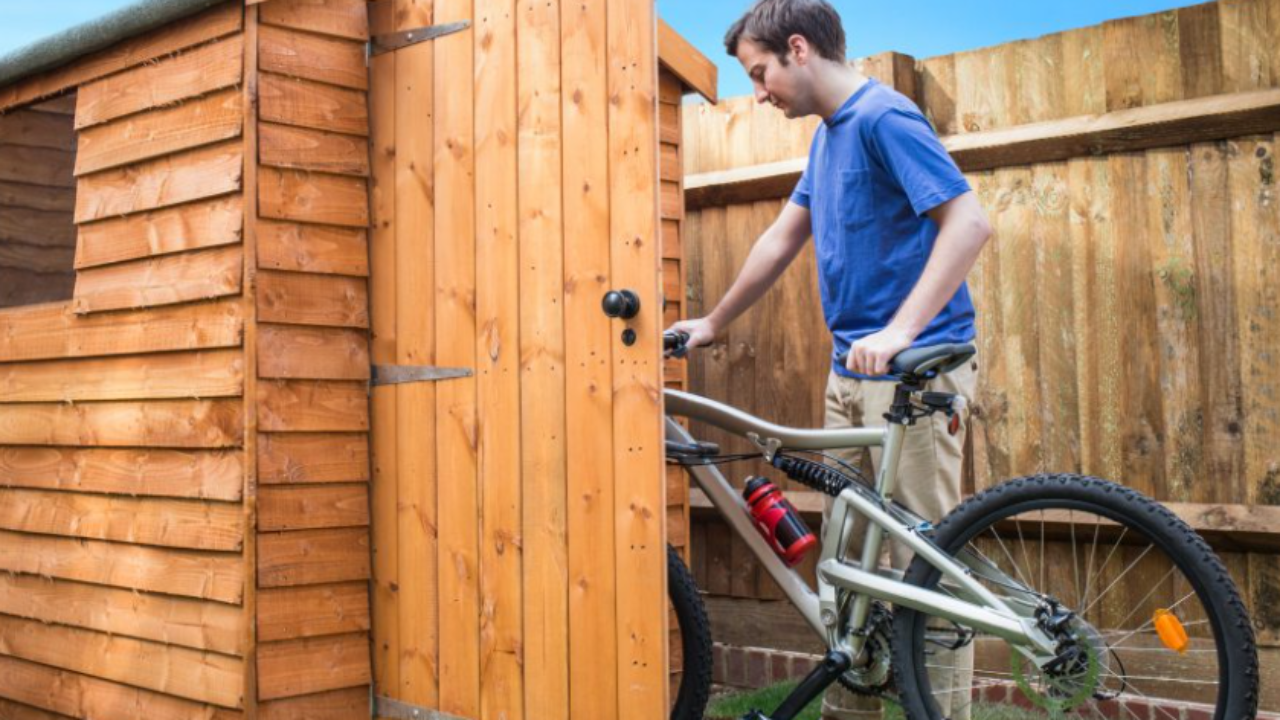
(871, 355)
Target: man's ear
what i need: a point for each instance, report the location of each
(798, 48)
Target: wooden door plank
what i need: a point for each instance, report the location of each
(38, 166)
(312, 353)
(313, 458)
(164, 131)
(317, 611)
(35, 197)
(498, 361)
(312, 406)
(313, 198)
(542, 339)
(301, 299)
(593, 654)
(455, 344)
(49, 332)
(301, 667)
(312, 249)
(312, 507)
(307, 104)
(348, 704)
(37, 227)
(190, 674)
(189, 524)
(160, 424)
(415, 423)
(211, 223)
(85, 696)
(196, 72)
(207, 374)
(214, 23)
(34, 259)
(637, 411)
(167, 280)
(194, 175)
(210, 475)
(146, 616)
(338, 18)
(36, 129)
(312, 57)
(187, 573)
(297, 148)
(313, 557)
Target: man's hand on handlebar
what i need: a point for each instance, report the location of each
(686, 335)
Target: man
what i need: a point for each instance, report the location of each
(896, 229)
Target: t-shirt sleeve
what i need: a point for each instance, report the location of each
(800, 195)
(913, 154)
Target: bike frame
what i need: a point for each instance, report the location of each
(966, 601)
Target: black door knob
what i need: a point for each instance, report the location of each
(623, 304)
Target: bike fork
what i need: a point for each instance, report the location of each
(832, 667)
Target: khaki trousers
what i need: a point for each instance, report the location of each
(928, 482)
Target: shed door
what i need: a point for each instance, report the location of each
(518, 513)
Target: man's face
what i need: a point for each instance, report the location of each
(783, 86)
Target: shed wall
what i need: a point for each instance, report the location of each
(124, 526)
(1126, 303)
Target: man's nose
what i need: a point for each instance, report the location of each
(762, 95)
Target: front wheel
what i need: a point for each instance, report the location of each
(695, 640)
(1148, 621)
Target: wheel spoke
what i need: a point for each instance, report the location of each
(1124, 572)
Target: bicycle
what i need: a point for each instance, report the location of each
(1098, 645)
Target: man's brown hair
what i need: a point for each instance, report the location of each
(770, 23)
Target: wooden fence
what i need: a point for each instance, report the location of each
(1129, 303)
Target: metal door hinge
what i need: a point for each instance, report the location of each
(392, 709)
(400, 374)
(394, 41)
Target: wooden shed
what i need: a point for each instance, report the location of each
(226, 230)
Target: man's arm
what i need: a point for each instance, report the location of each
(770, 256)
(963, 229)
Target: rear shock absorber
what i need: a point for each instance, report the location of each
(823, 478)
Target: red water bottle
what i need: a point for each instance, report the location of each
(778, 520)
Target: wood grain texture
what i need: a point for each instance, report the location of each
(313, 458)
(159, 424)
(313, 557)
(146, 616)
(296, 148)
(350, 704)
(166, 280)
(208, 475)
(313, 406)
(208, 374)
(28, 128)
(313, 249)
(302, 103)
(37, 166)
(84, 696)
(190, 674)
(313, 198)
(206, 224)
(37, 228)
(215, 23)
(164, 522)
(302, 667)
(35, 197)
(305, 507)
(186, 573)
(339, 18)
(195, 175)
(295, 613)
(311, 57)
(313, 353)
(50, 332)
(302, 299)
(199, 122)
(161, 84)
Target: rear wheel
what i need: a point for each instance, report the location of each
(695, 640)
(1148, 620)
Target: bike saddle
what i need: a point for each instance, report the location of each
(931, 361)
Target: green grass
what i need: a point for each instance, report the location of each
(734, 706)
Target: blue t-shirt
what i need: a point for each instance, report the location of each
(875, 168)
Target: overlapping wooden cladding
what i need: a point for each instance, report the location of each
(312, 358)
(122, 474)
(1122, 304)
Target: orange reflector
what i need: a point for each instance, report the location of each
(1171, 632)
